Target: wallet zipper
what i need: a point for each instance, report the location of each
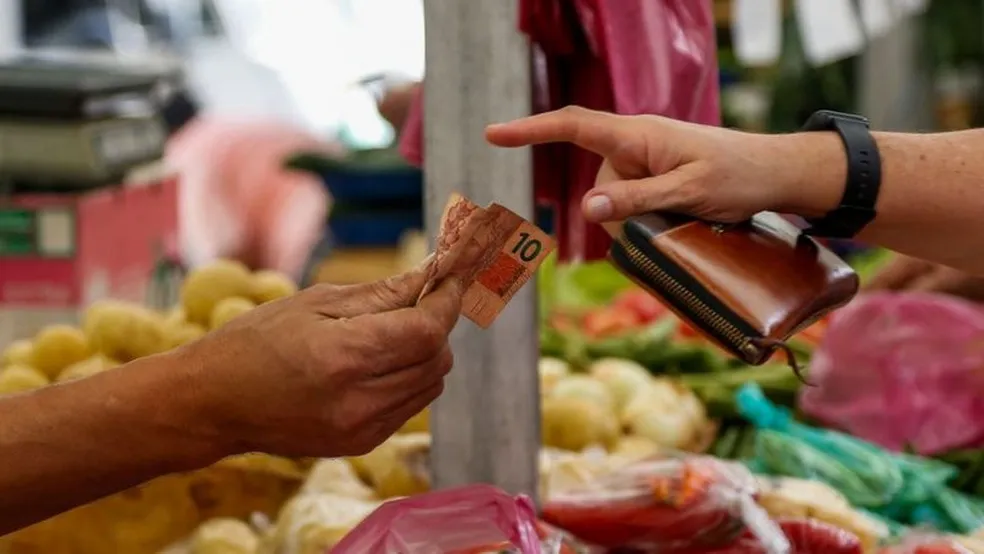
(676, 291)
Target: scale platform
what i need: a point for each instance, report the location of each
(79, 121)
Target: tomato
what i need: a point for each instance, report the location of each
(814, 333)
(563, 322)
(641, 521)
(643, 304)
(805, 537)
(609, 321)
(938, 548)
(686, 332)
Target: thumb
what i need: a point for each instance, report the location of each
(679, 190)
(394, 293)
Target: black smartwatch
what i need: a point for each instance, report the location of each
(857, 205)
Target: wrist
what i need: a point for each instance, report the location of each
(811, 172)
(168, 399)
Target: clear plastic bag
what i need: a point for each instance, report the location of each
(904, 488)
(665, 504)
(805, 536)
(927, 543)
(475, 519)
(902, 370)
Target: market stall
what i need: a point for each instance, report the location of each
(588, 413)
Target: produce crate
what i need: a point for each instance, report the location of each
(152, 516)
(60, 252)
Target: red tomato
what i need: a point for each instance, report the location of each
(814, 333)
(563, 322)
(643, 304)
(939, 548)
(686, 332)
(609, 321)
(641, 521)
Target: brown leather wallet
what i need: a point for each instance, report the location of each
(748, 287)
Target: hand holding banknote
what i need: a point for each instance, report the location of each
(492, 250)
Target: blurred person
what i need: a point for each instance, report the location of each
(238, 200)
(655, 163)
(331, 371)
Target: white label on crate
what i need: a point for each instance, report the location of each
(56, 233)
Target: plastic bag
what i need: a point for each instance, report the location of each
(864, 473)
(905, 488)
(237, 199)
(926, 543)
(789, 498)
(664, 504)
(805, 536)
(468, 520)
(902, 370)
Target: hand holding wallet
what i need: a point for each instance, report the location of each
(748, 287)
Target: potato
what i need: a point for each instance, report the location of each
(208, 285)
(419, 423)
(57, 347)
(175, 316)
(124, 331)
(21, 378)
(574, 424)
(17, 352)
(268, 285)
(86, 368)
(224, 536)
(179, 334)
(228, 309)
(398, 467)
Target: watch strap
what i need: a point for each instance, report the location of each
(857, 205)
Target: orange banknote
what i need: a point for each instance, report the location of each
(493, 250)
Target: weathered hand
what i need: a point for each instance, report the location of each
(331, 371)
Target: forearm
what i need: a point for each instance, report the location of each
(66, 445)
(931, 200)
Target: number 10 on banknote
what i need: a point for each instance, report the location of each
(513, 264)
(493, 249)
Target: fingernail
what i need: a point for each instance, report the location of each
(598, 207)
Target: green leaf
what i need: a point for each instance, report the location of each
(579, 286)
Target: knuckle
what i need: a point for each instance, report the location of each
(434, 392)
(431, 335)
(573, 110)
(445, 361)
(323, 291)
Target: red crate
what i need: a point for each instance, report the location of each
(64, 251)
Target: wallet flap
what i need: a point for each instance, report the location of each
(766, 271)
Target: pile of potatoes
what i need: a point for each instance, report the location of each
(618, 405)
(114, 332)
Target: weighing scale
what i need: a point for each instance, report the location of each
(74, 122)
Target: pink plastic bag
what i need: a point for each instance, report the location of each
(467, 520)
(237, 199)
(902, 370)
